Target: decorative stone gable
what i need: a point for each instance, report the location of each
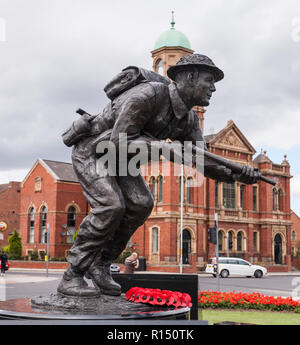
(232, 139)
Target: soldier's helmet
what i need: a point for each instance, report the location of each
(198, 60)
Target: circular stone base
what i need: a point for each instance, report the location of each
(60, 307)
(104, 305)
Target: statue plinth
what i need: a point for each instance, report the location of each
(58, 307)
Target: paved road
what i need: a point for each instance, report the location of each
(20, 284)
(273, 285)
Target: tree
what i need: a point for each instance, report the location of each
(14, 249)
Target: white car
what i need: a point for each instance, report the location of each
(235, 267)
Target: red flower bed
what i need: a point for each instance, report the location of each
(217, 299)
(158, 297)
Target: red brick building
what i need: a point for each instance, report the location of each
(50, 196)
(295, 234)
(254, 220)
(9, 209)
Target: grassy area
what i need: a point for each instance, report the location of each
(254, 317)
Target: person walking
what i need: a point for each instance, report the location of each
(3, 260)
(131, 263)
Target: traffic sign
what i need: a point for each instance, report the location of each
(3, 226)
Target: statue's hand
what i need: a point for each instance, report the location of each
(248, 175)
(223, 171)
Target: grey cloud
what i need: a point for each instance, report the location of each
(60, 54)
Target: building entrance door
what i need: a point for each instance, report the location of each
(278, 249)
(186, 247)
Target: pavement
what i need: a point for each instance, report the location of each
(18, 277)
(15, 277)
(297, 273)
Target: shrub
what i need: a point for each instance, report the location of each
(34, 255)
(14, 249)
(61, 259)
(42, 255)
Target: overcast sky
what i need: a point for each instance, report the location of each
(57, 55)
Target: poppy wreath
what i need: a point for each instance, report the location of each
(158, 297)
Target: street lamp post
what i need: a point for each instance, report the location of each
(217, 251)
(47, 250)
(181, 217)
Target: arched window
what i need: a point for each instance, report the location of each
(242, 196)
(280, 199)
(255, 242)
(278, 249)
(31, 225)
(44, 225)
(160, 67)
(160, 189)
(239, 241)
(152, 185)
(274, 199)
(216, 194)
(154, 248)
(229, 195)
(186, 246)
(71, 224)
(189, 197)
(220, 240)
(293, 235)
(230, 240)
(254, 196)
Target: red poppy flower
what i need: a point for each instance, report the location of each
(151, 299)
(186, 300)
(138, 297)
(146, 297)
(177, 301)
(159, 298)
(166, 292)
(169, 298)
(130, 294)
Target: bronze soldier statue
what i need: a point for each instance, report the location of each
(146, 107)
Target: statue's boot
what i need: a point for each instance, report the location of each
(102, 279)
(73, 284)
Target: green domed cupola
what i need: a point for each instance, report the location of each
(172, 38)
